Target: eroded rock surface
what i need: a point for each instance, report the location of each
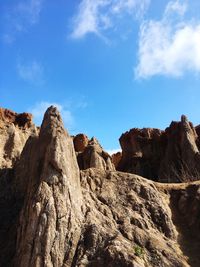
(167, 156)
(49, 226)
(116, 158)
(91, 154)
(14, 131)
(54, 215)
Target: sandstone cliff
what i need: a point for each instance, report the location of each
(167, 156)
(14, 131)
(91, 154)
(53, 214)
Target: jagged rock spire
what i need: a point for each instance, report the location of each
(50, 219)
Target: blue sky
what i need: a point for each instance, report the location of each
(109, 65)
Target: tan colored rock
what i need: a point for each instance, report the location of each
(50, 220)
(93, 156)
(52, 215)
(128, 222)
(14, 131)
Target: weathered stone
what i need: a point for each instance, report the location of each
(52, 214)
(50, 221)
(80, 142)
(142, 150)
(14, 131)
(116, 158)
(167, 156)
(94, 156)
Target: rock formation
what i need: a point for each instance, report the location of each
(50, 220)
(116, 158)
(91, 154)
(167, 156)
(54, 215)
(14, 131)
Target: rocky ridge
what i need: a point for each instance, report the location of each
(15, 129)
(172, 155)
(54, 214)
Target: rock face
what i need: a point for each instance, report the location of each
(142, 150)
(14, 131)
(54, 215)
(167, 156)
(80, 142)
(50, 220)
(91, 154)
(116, 158)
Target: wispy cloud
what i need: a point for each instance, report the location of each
(20, 17)
(39, 109)
(169, 46)
(96, 16)
(31, 72)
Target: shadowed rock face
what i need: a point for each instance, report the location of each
(168, 156)
(54, 215)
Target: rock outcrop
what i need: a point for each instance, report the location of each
(54, 215)
(14, 131)
(80, 142)
(50, 220)
(116, 158)
(167, 156)
(90, 154)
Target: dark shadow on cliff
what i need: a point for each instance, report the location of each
(10, 207)
(188, 234)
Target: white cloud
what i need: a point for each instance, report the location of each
(20, 18)
(170, 46)
(113, 151)
(134, 7)
(39, 109)
(96, 16)
(178, 6)
(31, 72)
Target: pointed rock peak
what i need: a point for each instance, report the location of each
(52, 120)
(184, 119)
(94, 141)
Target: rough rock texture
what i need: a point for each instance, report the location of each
(124, 212)
(116, 158)
(181, 161)
(80, 142)
(53, 215)
(14, 131)
(49, 226)
(91, 154)
(168, 156)
(142, 150)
